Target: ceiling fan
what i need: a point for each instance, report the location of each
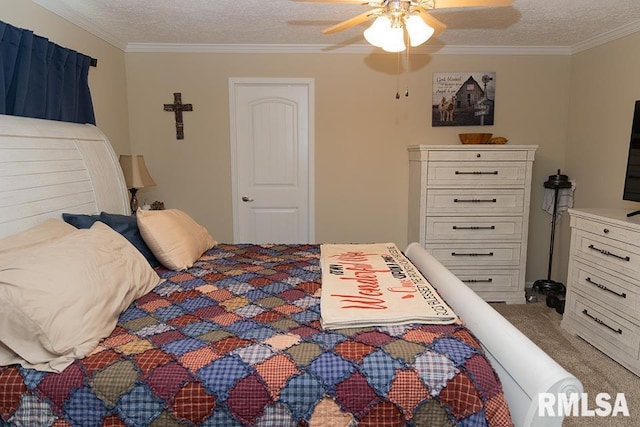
(392, 17)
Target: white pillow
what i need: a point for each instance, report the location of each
(60, 298)
(49, 230)
(174, 237)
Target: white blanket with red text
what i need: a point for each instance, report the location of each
(375, 285)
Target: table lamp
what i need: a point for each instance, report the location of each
(136, 176)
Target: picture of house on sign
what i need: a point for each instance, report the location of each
(463, 99)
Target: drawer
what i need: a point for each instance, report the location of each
(608, 253)
(475, 202)
(476, 174)
(607, 230)
(470, 155)
(489, 280)
(476, 254)
(603, 286)
(473, 228)
(602, 327)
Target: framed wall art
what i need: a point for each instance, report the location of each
(463, 99)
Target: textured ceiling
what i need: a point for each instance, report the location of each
(527, 23)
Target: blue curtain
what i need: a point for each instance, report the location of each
(40, 79)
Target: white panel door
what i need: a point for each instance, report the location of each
(271, 145)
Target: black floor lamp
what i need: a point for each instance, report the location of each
(548, 286)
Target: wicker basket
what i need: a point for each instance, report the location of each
(475, 138)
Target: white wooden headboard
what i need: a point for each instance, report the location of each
(50, 167)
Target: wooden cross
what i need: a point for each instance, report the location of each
(178, 107)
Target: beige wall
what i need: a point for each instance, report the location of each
(604, 88)
(578, 110)
(107, 80)
(362, 132)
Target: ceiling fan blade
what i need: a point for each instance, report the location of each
(358, 19)
(442, 4)
(434, 23)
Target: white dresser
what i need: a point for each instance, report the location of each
(602, 303)
(469, 206)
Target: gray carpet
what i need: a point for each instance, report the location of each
(597, 372)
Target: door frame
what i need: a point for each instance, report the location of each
(233, 137)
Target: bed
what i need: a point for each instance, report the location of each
(235, 339)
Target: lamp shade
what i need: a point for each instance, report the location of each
(135, 171)
(419, 31)
(378, 31)
(394, 41)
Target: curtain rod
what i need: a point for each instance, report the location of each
(93, 62)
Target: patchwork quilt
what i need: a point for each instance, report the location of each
(236, 340)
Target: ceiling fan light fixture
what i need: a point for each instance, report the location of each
(377, 33)
(394, 40)
(419, 31)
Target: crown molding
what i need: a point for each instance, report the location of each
(504, 50)
(332, 49)
(607, 37)
(60, 9)
(247, 48)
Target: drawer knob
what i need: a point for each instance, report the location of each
(606, 231)
(478, 155)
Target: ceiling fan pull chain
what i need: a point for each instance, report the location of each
(407, 71)
(398, 77)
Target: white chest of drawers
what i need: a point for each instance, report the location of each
(603, 283)
(469, 206)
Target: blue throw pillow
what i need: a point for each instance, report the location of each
(80, 220)
(127, 225)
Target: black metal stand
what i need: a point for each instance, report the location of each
(549, 287)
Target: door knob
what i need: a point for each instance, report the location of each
(247, 199)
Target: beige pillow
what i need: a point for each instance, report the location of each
(58, 299)
(174, 237)
(49, 230)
